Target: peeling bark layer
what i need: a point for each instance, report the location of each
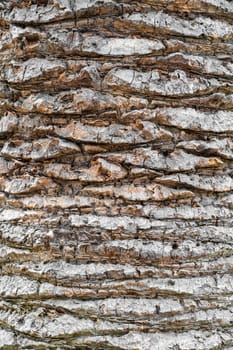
(116, 185)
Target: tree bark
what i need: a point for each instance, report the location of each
(116, 182)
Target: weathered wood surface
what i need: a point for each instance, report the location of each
(116, 182)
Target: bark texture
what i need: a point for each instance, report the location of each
(116, 183)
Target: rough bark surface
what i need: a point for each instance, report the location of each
(116, 174)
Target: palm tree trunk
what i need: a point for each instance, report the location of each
(116, 182)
